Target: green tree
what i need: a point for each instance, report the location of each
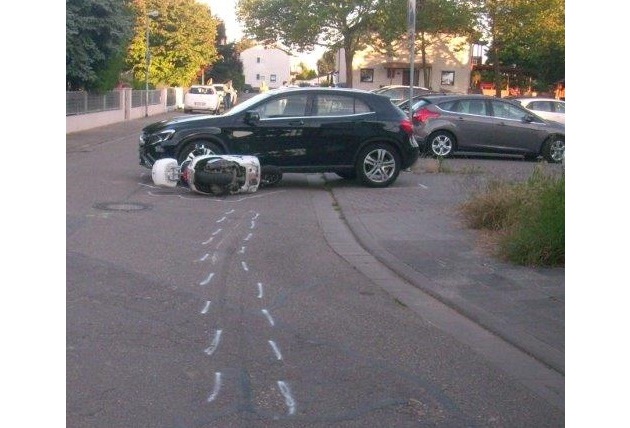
(182, 41)
(229, 65)
(301, 25)
(525, 33)
(326, 65)
(97, 35)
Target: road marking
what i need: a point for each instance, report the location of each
(242, 250)
(217, 387)
(207, 280)
(260, 290)
(275, 349)
(221, 220)
(288, 399)
(215, 343)
(205, 256)
(266, 313)
(423, 186)
(248, 237)
(205, 308)
(245, 268)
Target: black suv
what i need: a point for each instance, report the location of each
(351, 132)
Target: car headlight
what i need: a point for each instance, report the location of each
(160, 137)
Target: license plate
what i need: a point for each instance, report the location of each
(200, 104)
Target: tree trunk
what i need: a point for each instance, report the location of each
(348, 50)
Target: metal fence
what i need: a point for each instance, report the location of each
(82, 102)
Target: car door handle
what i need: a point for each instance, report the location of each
(296, 123)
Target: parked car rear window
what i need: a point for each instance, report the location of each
(201, 91)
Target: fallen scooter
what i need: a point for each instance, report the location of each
(210, 174)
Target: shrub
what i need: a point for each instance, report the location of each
(528, 216)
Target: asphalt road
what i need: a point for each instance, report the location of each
(184, 310)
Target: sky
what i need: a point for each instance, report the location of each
(226, 10)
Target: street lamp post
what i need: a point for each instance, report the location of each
(152, 14)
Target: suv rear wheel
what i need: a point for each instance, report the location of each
(378, 165)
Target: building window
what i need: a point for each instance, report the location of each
(258, 59)
(257, 76)
(272, 77)
(367, 75)
(448, 78)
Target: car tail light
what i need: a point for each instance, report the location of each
(424, 115)
(406, 126)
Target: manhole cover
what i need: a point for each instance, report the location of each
(121, 206)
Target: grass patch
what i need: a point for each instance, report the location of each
(526, 219)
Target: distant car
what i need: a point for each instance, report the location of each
(398, 93)
(547, 108)
(353, 133)
(445, 124)
(219, 88)
(201, 97)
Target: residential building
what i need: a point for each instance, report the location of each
(266, 64)
(448, 63)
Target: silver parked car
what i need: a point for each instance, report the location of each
(547, 108)
(445, 124)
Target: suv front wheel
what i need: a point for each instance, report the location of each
(378, 165)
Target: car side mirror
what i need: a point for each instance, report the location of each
(528, 118)
(252, 117)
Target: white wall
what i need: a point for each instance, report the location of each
(264, 63)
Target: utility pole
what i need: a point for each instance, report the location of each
(152, 14)
(411, 29)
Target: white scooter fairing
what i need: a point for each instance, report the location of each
(210, 174)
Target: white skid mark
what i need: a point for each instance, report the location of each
(253, 225)
(216, 232)
(217, 387)
(266, 313)
(288, 399)
(207, 280)
(221, 220)
(256, 216)
(245, 268)
(242, 250)
(208, 241)
(275, 349)
(248, 237)
(423, 186)
(229, 212)
(260, 290)
(215, 343)
(205, 256)
(205, 308)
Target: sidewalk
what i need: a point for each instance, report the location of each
(413, 228)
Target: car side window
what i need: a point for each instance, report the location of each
(477, 107)
(559, 107)
(339, 105)
(288, 106)
(540, 106)
(507, 111)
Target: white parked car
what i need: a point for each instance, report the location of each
(547, 108)
(202, 97)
